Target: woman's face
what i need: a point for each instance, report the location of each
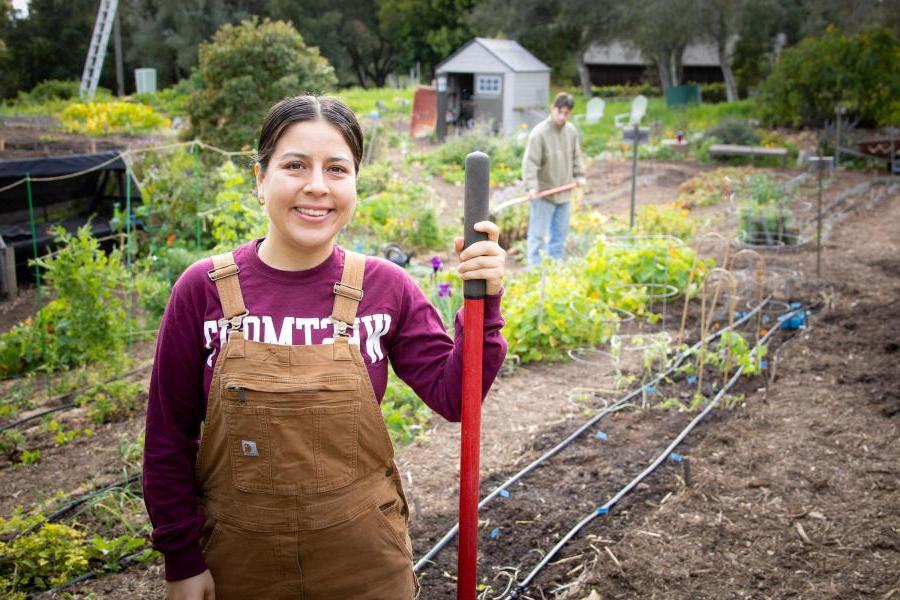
(309, 188)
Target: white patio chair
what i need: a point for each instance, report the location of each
(595, 108)
(638, 110)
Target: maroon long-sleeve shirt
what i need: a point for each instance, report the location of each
(395, 322)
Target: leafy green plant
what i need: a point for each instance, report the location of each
(237, 217)
(156, 273)
(549, 312)
(665, 219)
(734, 351)
(109, 552)
(764, 215)
(131, 451)
(404, 413)
(448, 160)
(403, 213)
(113, 401)
(10, 440)
(36, 555)
(42, 556)
(86, 322)
(30, 457)
(62, 436)
(175, 187)
(243, 71)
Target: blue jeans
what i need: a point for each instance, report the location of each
(547, 218)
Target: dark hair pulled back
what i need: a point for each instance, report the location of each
(297, 109)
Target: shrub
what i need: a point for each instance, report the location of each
(105, 118)
(54, 89)
(626, 91)
(733, 131)
(171, 101)
(244, 70)
(714, 92)
(862, 72)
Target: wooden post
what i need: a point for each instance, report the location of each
(8, 270)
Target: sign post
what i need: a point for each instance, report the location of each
(821, 162)
(637, 135)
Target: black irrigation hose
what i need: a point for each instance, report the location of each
(604, 510)
(59, 514)
(44, 412)
(69, 405)
(97, 492)
(676, 362)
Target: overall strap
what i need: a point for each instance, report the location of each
(224, 274)
(348, 293)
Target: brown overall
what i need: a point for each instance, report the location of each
(299, 486)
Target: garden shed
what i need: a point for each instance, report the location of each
(492, 81)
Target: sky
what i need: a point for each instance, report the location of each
(21, 5)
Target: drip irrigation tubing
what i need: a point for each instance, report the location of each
(59, 514)
(606, 508)
(68, 395)
(676, 362)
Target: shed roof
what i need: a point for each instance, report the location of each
(510, 53)
(619, 53)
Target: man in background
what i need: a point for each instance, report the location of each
(552, 158)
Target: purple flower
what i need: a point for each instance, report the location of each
(444, 290)
(436, 263)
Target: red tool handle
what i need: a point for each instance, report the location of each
(476, 209)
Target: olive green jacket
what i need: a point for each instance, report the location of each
(552, 158)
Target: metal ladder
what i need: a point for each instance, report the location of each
(90, 77)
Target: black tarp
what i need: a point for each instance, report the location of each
(85, 186)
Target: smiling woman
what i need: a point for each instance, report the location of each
(281, 349)
(306, 179)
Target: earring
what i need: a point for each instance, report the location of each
(262, 200)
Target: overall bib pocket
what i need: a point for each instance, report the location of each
(289, 437)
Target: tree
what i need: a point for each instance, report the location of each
(167, 33)
(568, 27)
(244, 70)
(52, 42)
(720, 22)
(347, 33)
(425, 31)
(661, 30)
(860, 72)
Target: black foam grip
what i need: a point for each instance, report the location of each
(478, 190)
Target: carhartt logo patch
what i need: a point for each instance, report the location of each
(248, 448)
